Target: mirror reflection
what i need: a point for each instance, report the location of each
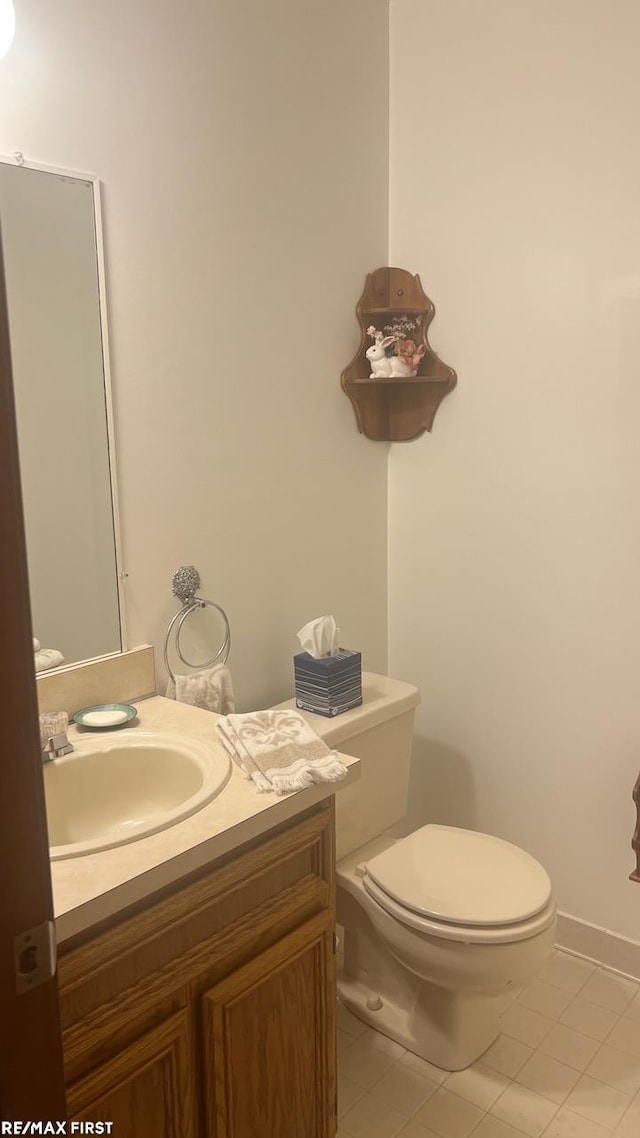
(51, 254)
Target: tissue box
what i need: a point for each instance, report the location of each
(329, 685)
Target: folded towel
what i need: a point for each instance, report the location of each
(278, 750)
(36, 645)
(211, 689)
(48, 658)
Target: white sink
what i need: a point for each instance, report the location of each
(119, 787)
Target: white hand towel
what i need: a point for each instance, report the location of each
(278, 750)
(211, 689)
(48, 658)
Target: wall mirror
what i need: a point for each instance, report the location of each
(50, 225)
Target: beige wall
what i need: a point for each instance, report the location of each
(242, 149)
(514, 548)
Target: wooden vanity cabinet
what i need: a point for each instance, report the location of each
(209, 1012)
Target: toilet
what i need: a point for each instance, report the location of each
(441, 925)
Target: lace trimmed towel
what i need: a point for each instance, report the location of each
(210, 689)
(278, 750)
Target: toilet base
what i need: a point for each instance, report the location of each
(446, 1029)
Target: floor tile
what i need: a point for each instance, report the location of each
(525, 1025)
(566, 1124)
(448, 1115)
(597, 1102)
(524, 1110)
(507, 1055)
(616, 1069)
(423, 1067)
(478, 1084)
(567, 972)
(548, 1077)
(545, 999)
(632, 1011)
(610, 990)
(382, 1043)
(492, 1127)
(371, 1118)
(629, 1127)
(590, 1019)
(363, 1063)
(570, 1047)
(571, 1086)
(403, 1088)
(626, 1037)
(348, 1092)
(414, 1130)
(349, 1023)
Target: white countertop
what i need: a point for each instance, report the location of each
(90, 888)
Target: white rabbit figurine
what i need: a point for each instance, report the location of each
(380, 362)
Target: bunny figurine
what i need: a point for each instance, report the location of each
(380, 362)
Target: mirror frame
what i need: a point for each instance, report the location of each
(17, 159)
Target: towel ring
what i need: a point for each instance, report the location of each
(185, 582)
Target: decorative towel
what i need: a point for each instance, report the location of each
(278, 750)
(48, 658)
(210, 689)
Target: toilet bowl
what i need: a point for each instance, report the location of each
(439, 926)
(430, 959)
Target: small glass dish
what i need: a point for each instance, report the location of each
(105, 716)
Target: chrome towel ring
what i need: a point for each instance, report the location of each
(186, 580)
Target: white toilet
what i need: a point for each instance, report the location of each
(438, 925)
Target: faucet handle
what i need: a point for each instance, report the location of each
(53, 734)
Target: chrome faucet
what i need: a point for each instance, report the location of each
(53, 735)
(56, 746)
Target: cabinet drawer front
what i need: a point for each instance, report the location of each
(290, 872)
(147, 1091)
(269, 1030)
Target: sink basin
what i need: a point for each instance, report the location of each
(121, 787)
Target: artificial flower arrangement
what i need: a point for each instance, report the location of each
(392, 355)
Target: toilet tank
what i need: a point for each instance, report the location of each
(380, 734)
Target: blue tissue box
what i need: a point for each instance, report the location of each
(330, 685)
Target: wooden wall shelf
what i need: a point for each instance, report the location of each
(395, 409)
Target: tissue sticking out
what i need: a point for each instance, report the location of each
(320, 637)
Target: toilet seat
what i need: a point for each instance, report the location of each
(461, 885)
(465, 934)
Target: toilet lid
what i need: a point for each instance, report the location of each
(462, 877)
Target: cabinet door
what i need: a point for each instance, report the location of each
(146, 1091)
(269, 1041)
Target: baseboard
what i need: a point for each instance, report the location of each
(600, 945)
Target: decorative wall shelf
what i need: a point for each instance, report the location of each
(396, 409)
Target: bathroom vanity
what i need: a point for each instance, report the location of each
(197, 967)
(211, 1009)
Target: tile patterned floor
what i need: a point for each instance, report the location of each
(566, 1065)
